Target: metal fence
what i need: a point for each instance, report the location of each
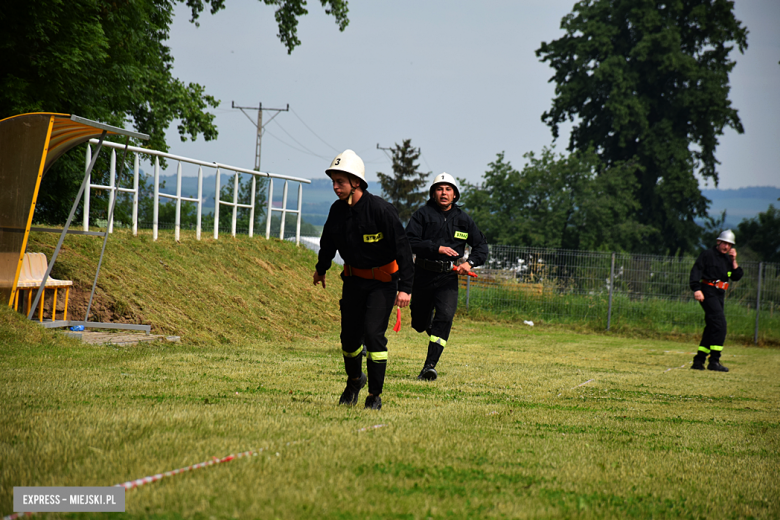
(219, 168)
(613, 290)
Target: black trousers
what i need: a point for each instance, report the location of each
(714, 334)
(365, 311)
(434, 302)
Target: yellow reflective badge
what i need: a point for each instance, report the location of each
(461, 235)
(373, 238)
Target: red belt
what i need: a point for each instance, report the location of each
(383, 273)
(717, 283)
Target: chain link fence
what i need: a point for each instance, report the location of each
(618, 290)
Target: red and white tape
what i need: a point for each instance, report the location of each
(132, 484)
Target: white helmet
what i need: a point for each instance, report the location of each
(349, 162)
(728, 237)
(448, 179)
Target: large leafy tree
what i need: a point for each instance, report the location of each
(404, 187)
(648, 81)
(570, 202)
(108, 60)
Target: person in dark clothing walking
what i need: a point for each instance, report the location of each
(439, 232)
(378, 273)
(709, 280)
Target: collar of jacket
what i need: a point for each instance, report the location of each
(432, 203)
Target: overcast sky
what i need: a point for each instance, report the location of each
(460, 79)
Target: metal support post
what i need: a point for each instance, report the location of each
(136, 169)
(235, 205)
(468, 292)
(300, 205)
(111, 191)
(252, 209)
(270, 206)
(86, 191)
(216, 206)
(611, 288)
(156, 204)
(758, 300)
(200, 202)
(177, 218)
(284, 212)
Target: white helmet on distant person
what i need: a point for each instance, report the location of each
(445, 178)
(349, 162)
(728, 237)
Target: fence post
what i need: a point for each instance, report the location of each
(136, 168)
(177, 218)
(86, 190)
(270, 206)
(156, 209)
(468, 291)
(300, 206)
(111, 192)
(200, 202)
(758, 300)
(252, 208)
(216, 204)
(611, 286)
(284, 212)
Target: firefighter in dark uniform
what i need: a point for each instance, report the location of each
(438, 233)
(378, 273)
(709, 280)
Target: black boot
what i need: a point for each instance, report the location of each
(429, 368)
(714, 363)
(698, 360)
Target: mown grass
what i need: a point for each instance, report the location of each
(508, 431)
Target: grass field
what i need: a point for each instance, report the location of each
(523, 422)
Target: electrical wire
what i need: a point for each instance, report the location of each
(297, 141)
(313, 132)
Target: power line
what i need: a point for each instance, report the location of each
(313, 132)
(297, 141)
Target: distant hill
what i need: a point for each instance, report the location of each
(741, 203)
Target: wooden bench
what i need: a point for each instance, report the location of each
(34, 266)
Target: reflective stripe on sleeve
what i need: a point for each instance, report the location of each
(716, 348)
(353, 354)
(704, 349)
(439, 341)
(378, 356)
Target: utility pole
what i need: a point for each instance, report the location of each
(259, 124)
(385, 150)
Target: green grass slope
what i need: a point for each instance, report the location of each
(210, 290)
(523, 422)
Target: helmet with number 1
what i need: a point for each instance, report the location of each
(728, 237)
(445, 178)
(349, 162)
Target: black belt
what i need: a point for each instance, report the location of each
(437, 266)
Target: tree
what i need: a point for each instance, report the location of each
(569, 202)
(403, 187)
(761, 234)
(107, 61)
(648, 81)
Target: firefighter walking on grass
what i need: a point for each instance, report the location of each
(709, 281)
(439, 232)
(378, 272)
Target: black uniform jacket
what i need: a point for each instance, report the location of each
(713, 265)
(368, 234)
(430, 227)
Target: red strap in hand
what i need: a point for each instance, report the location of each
(470, 273)
(397, 325)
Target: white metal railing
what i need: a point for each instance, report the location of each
(219, 167)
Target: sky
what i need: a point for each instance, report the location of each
(460, 79)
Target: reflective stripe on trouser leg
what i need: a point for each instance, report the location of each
(715, 353)
(716, 348)
(352, 354)
(438, 341)
(704, 349)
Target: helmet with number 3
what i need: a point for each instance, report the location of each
(445, 178)
(349, 162)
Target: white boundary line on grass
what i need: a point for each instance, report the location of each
(133, 484)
